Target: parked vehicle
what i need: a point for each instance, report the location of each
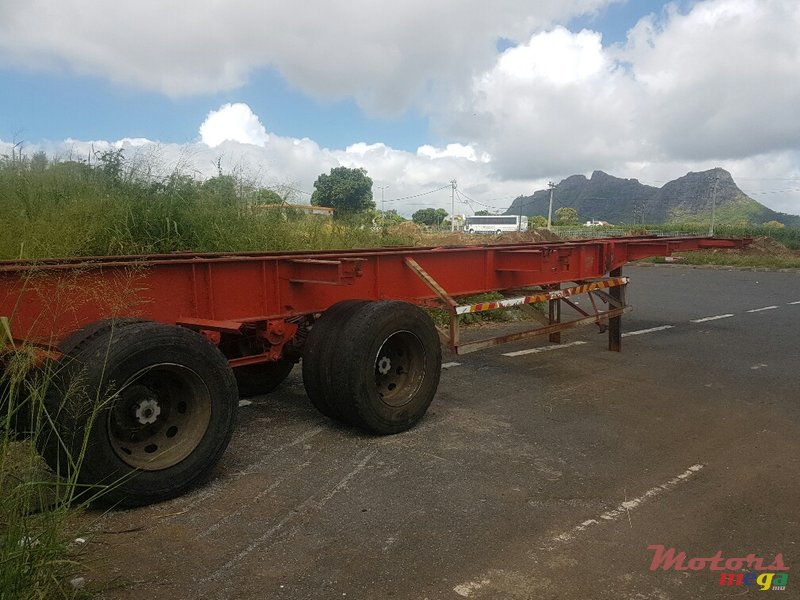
(495, 223)
(151, 353)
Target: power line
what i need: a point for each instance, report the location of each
(288, 187)
(775, 191)
(444, 187)
(472, 200)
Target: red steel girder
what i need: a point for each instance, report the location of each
(48, 299)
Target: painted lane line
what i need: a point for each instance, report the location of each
(627, 506)
(542, 349)
(484, 582)
(651, 330)
(798, 302)
(764, 308)
(466, 589)
(714, 318)
(450, 365)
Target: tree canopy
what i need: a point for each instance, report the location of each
(429, 216)
(347, 191)
(537, 222)
(567, 216)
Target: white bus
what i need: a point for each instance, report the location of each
(495, 223)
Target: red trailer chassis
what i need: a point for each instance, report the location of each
(262, 311)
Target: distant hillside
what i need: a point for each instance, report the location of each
(686, 199)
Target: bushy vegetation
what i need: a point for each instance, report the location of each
(38, 547)
(788, 236)
(110, 206)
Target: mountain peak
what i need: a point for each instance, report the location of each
(687, 198)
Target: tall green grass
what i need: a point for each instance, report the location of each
(107, 207)
(788, 236)
(38, 555)
(110, 207)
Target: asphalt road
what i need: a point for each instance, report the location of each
(541, 475)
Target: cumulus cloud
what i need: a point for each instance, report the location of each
(382, 54)
(233, 122)
(718, 83)
(714, 85)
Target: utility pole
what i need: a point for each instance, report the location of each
(552, 187)
(713, 205)
(453, 186)
(383, 205)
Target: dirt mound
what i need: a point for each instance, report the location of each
(408, 228)
(460, 238)
(768, 246)
(760, 246)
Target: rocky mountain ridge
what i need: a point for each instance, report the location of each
(686, 199)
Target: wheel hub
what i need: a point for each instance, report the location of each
(147, 411)
(384, 365)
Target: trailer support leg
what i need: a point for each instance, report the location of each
(617, 294)
(555, 317)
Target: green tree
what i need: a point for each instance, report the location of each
(429, 216)
(482, 213)
(222, 188)
(567, 216)
(392, 217)
(39, 161)
(774, 225)
(347, 191)
(267, 196)
(537, 222)
(111, 163)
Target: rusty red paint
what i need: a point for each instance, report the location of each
(48, 299)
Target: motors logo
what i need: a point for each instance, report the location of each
(750, 570)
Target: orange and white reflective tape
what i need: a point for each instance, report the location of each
(543, 297)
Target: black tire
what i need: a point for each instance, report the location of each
(263, 378)
(21, 386)
(387, 367)
(321, 344)
(14, 409)
(69, 343)
(155, 406)
(471, 231)
(498, 232)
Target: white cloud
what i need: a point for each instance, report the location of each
(454, 150)
(383, 54)
(717, 85)
(233, 122)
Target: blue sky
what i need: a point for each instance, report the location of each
(501, 98)
(48, 105)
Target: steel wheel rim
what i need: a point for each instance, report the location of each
(399, 368)
(159, 417)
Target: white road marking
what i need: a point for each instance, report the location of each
(714, 318)
(450, 364)
(542, 349)
(628, 505)
(797, 302)
(764, 308)
(467, 588)
(651, 330)
(758, 366)
(245, 402)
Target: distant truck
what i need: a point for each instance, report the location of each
(594, 223)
